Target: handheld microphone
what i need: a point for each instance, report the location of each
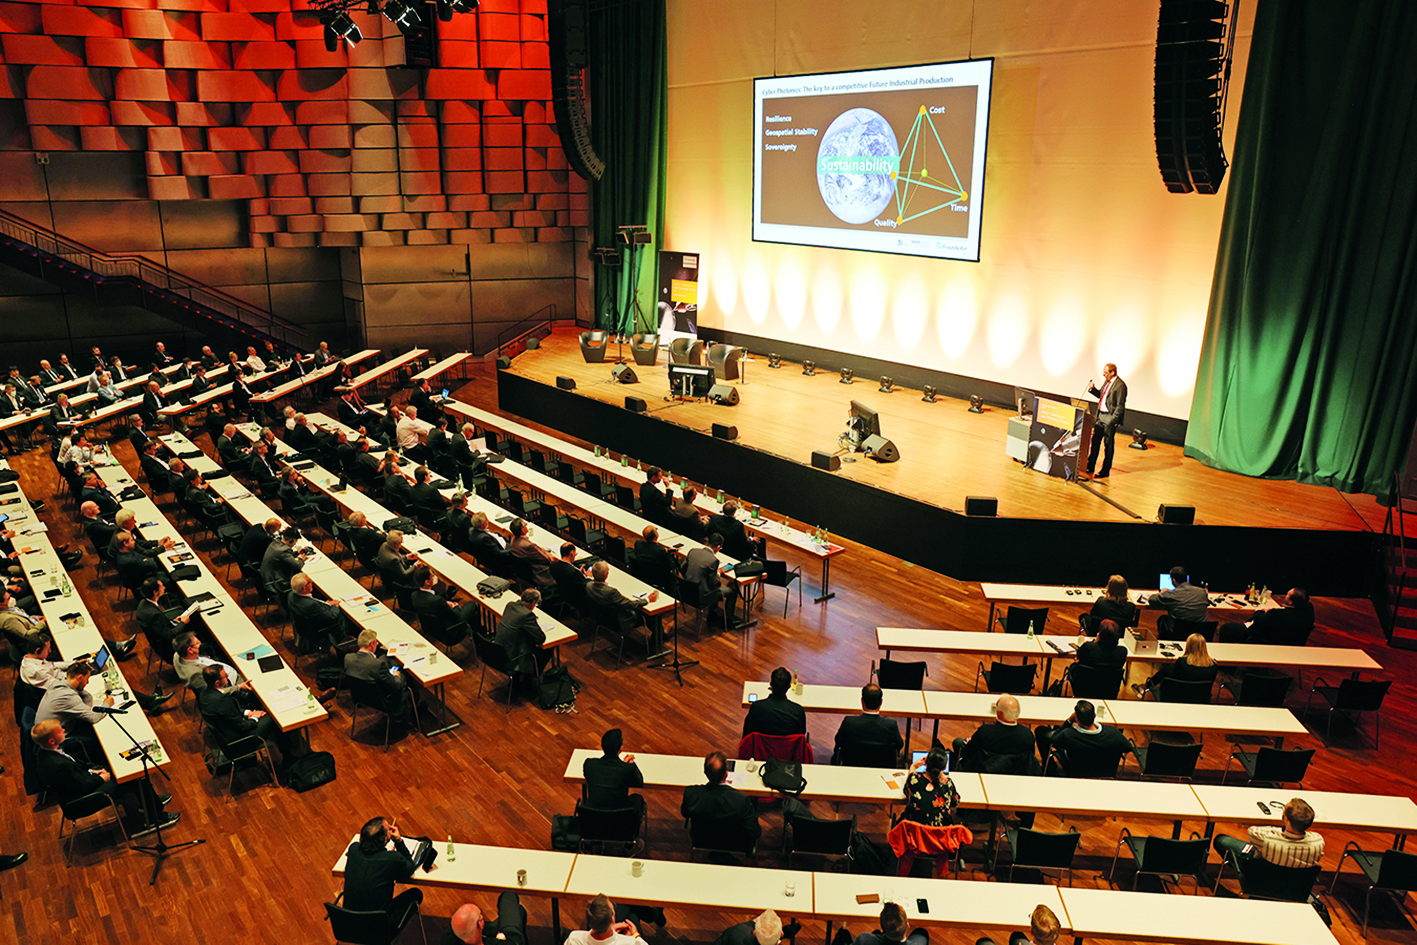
(109, 710)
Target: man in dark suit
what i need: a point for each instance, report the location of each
(609, 778)
(208, 358)
(777, 714)
(654, 559)
(140, 439)
(67, 369)
(364, 538)
(157, 622)
(867, 732)
(508, 928)
(766, 929)
(684, 515)
(571, 579)
(1111, 414)
(485, 545)
(397, 489)
(422, 400)
(1001, 737)
(521, 636)
(222, 712)
(425, 497)
(459, 520)
(70, 779)
(33, 392)
(895, 929)
(230, 451)
(701, 569)
(436, 608)
(133, 566)
(372, 865)
(257, 539)
(1288, 623)
(262, 474)
(322, 622)
(351, 413)
(395, 561)
(48, 376)
(280, 563)
(99, 527)
(437, 442)
(153, 401)
(365, 465)
(385, 673)
(523, 547)
(716, 808)
(200, 499)
(160, 355)
(736, 543)
(62, 416)
(654, 504)
(461, 445)
(629, 613)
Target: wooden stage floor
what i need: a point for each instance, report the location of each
(948, 453)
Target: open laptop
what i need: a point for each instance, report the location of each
(919, 755)
(100, 658)
(446, 393)
(1167, 584)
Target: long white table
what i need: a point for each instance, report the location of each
(1157, 917)
(315, 376)
(1035, 594)
(388, 367)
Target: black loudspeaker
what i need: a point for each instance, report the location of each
(624, 374)
(565, 383)
(725, 432)
(533, 343)
(1176, 515)
(1192, 66)
(981, 505)
(503, 363)
(568, 32)
(723, 394)
(881, 449)
(828, 461)
(636, 404)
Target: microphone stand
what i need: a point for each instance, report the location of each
(160, 849)
(675, 664)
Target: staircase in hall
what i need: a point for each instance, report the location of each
(130, 279)
(1401, 622)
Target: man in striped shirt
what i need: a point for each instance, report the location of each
(1294, 844)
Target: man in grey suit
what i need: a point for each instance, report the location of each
(521, 636)
(384, 673)
(701, 568)
(280, 562)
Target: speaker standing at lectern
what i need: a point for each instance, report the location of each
(1111, 411)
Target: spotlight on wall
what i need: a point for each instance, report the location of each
(848, 375)
(976, 403)
(887, 384)
(774, 360)
(339, 26)
(1139, 440)
(930, 394)
(403, 13)
(446, 8)
(809, 368)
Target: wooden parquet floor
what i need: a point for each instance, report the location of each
(264, 871)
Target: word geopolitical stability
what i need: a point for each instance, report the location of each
(785, 132)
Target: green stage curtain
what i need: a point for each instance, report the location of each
(629, 76)
(1308, 369)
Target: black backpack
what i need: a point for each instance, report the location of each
(311, 771)
(558, 690)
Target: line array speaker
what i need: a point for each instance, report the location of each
(1192, 71)
(725, 432)
(828, 461)
(565, 383)
(568, 31)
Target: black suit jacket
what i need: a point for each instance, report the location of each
(427, 497)
(254, 543)
(65, 776)
(1113, 411)
(107, 505)
(654, 505)
(317, 615)
(280, 563)
(369, 878)
(520, 635)
(1287, 626)
(995, 738)
(100, 530)
(722, 805)
(775, 715)
(655, 559)
(736, 543)
(740, 934)
(484, 547)
(868, 731)
(134, 566)
(224, 715)
(154, 621)
(608, 781)
(627, 609)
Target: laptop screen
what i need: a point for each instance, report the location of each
(100, 658)
(1166, 583)
(445, 393)
(919, 755)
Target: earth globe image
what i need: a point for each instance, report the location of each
(855, 161)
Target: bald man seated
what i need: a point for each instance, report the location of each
(469, 925)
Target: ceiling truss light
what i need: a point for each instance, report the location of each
(403, 13)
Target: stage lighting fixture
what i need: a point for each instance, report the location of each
(848, 376)
(976, 403)
(809, 368)
(887, 384)
(1139, 440)
(446, 8)
(930, 394)
(403, 13)
(774, 360)
(338, 27)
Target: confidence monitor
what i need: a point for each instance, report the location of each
(690, 380)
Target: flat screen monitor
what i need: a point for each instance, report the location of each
(690, 380)
(885, 160)
(865, 421)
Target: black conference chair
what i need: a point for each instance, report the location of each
(1163, 856)
(1185, 691)
(1261, 879)
(1006, 677)
(367, 696)
(900, 674)
(778, 574)
(369, 927)
(87, 806)
(1017, 619)
(1040, 850)
(812, 836)
(1274, 766)
(1169, 628)
(1168, 760)
(1352, 695)
(1392, 871)
(1259, 688)
(1094, 682)
(621, 827)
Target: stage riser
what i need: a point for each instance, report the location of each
(1008, 550)
(1158, 428)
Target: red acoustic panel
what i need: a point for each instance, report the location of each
(472, 237)
(497, 55)
(303, 24)
(328, 185)
(446, 220)
(288, 240)
(374, 136)
(331, 137)
(141, 113)
(286, 206)
(419, 159)
(462, 159)
(533, 28)
(260, 6)
(176, 139)
(204, 114)
(264, 113)
(69, 83)
(552, 234)
(370, 113)
(502, 133)
(381, 238)
(427, 237)
(124, 53)
(533, 218)
(542, 136)
(460, 113)
(154, 85)
(162, 163)
(461, 29)
(81, 21)
(469, 202)
(401, 221)
(505, 182)
(350, 222)
(425, 203)
(262, 55)
(536, 56)
(339, 239)
(19, 18)
(533, 6)
(109, 138)
(386, 203)
(421, 182)
(209, 163)
(186, 54)
(44, 112)
(236, 187)
(502, 27)
(495, 109)
(374, 160)
(286, 185)
(462, 136)
(524, 83)
(191, 6)
(556, 159)
(534, 159)
(235, 86)
(261, 207)
(579, 201)
(415, 109)
(312, 84)
(237, 139)
(175, 188)
(576, 217)
(54, 138)
(327, 205)
(458, 84)
(512, 236)
(545, 202)
(305, 223)
(325, 162)
(238, 27)
(457, 55)
(289, 138)
(418, 136)
(545, 182)
(503, 159)
(534, 113)
(313, 54)
(461, 183)
(265, 224)
(22, 50)
(157, 24)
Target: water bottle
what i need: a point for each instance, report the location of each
(597, 452)
(624, 460)
(796, 683)
(68, 588)
(451, 854)
(1030, 629)
(309, 698)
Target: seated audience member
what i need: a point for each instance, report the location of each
(38, 670)
(629, 612)
(1106, 652)
(258, 538)
(95, 491)
(519, 634)
(189, 662)
(684, 515)
(160, 355)
(208, 359)
(429, 601)
(373, 865)
(484, 544)
(127, 521)
(24, 630)
(263, 475)
(140, 439)
(776, 714)
(567, 573)
(1184, 601)
(1287, 621)
(396, 562)
(1115, 604)
(609, 778)
(49, 376)
(157, 622)
(468, 925)
(322, 354)
(930, 799)
(521, 546)
(230, 450)
(223, 712)
(408, 430)
(736, 543)
(895, 928)
(107, 390)
(72, 705)
(1291, 844)
(607, 924)
(766, 929)
(999, 738)
(322, 622)
(1043, 929)
(437, 441)
(654, 504)
(654, 559)
(701, 570)
(200, 498)
(868, 732)
(71, 778)
(426, 498)
(298, 497)
(365, 538)
(254, 361)
(62, 416)
(398, 491)
(280, 562)
(133, 566)
(1081, 743)
(385, 673)
(717, 806)
(1194, 665)
(425, 401)
(459, 519)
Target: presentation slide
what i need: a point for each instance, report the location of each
(890, 160)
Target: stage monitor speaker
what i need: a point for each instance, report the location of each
(723, 394)
(636, 404)
(624, 374)
(828, 461)
(1176, 515)
(533, 343)
(503, 363)
(881, 449)
(724, 432)
(981, 505)
(565, 383)
(1192, 70)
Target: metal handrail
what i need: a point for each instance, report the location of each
(150, 274)
(533, 322)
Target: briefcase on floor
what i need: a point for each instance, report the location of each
(311, 771)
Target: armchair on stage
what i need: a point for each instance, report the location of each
(724, 361)
(686, 351)
(645, 348)
(593, 345)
